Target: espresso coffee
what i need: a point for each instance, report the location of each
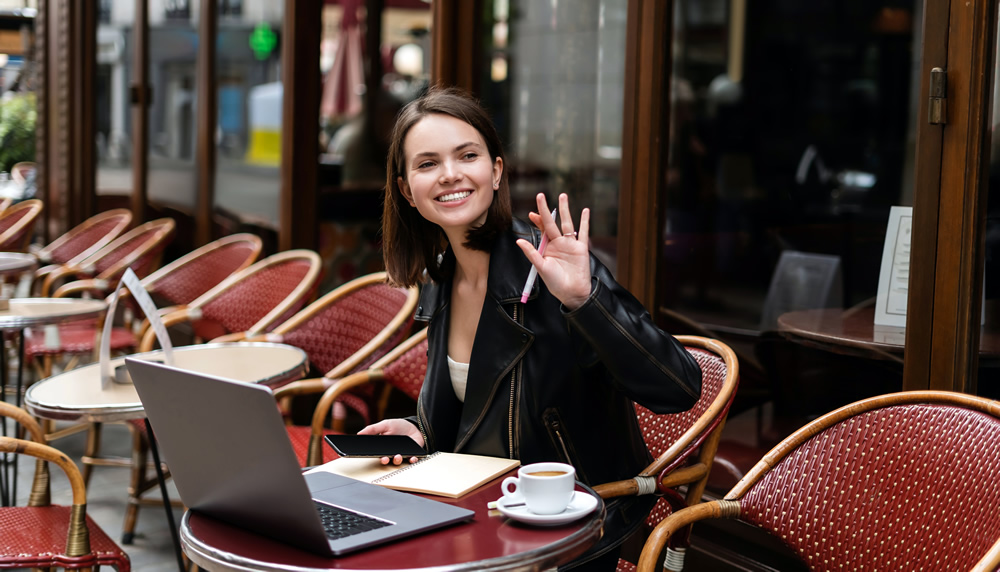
(547, 473)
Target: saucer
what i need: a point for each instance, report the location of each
(580, 505)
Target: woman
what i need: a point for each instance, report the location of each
(551, 379)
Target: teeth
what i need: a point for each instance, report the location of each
(453, 196)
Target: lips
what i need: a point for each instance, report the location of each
(451, 197)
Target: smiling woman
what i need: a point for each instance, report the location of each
(506, 377)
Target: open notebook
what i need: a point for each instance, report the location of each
(443, 474)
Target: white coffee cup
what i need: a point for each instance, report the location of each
(545, 488)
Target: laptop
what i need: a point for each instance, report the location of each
(230, 458)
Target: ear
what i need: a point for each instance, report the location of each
(497, 172)
(404, 188)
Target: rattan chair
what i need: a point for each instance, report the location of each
(253, 300)
(81, 241)
(140, 249)
(683, 444)
(17, 224)
(179, 282)
(403, 368)
(347, 330)
(42, 535)
(904, 481)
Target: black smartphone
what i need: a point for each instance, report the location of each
(375, 446)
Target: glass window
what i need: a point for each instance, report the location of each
(173, 55)
(793, 130)
(248, 134)
(554, 78)
(113, 119)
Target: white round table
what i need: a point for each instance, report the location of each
(80, 395)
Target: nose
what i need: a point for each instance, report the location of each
(450, 172)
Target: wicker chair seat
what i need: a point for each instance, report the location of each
(35, 537)
(76, 338)
(299, 436)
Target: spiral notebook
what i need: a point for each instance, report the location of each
(442, 474)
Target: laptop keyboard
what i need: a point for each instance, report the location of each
(340, 523)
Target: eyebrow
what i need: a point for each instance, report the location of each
(455, 150)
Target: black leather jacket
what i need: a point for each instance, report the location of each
(546, 384)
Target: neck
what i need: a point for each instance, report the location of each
(471, 265)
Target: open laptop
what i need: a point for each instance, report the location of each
(230, 457)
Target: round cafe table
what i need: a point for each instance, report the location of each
(16, 263)
(80, 394)
(490, 541)
(23, 313)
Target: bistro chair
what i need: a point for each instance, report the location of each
(43, 535)
(403, 368)
(140, 249)
(348, 329)
(17, 224)
(81, 241)
(252, 301)
(903, 481)
(683, 444)
(179, 282)
(5, 202)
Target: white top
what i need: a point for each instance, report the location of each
(459, 377)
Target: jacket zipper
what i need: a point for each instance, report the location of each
(515, 389)
(557, 429)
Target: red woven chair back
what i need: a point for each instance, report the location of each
(185, 279)
(282, 282)
(663, 431)
(340, 324)
(406, 371)
(17, 223)
(140, 249)
(86, 238)
(901, 487)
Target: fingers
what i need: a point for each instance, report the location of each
(565, 217)
(584, 232)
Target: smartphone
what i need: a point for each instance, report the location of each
(375, 446)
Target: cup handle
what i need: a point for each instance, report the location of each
(510, 494)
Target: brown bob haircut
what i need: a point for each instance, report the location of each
(410, 243)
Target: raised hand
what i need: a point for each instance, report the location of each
(565, 264)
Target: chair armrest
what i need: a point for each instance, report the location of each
(233, 337)
(182, 314)
(335, 390)
(649, 559)
(302, 387)
(93, 285)
(644, 484)
(57, 274)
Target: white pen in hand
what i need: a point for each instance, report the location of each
(534, 271)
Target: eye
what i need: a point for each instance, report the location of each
(470, 155)
(425, 165)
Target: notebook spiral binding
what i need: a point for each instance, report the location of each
(411, 465)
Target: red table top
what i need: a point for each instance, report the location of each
(490, 536)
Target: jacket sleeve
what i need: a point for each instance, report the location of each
(643, 361)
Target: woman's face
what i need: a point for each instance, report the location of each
(450, 177)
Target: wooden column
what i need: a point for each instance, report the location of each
(456, 43)
(300, 124)
(140, 94)
(644, 145)
(208, 110)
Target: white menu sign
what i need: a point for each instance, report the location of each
(894, 277)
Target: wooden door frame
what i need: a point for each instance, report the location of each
(646, 124)
(947, 250)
